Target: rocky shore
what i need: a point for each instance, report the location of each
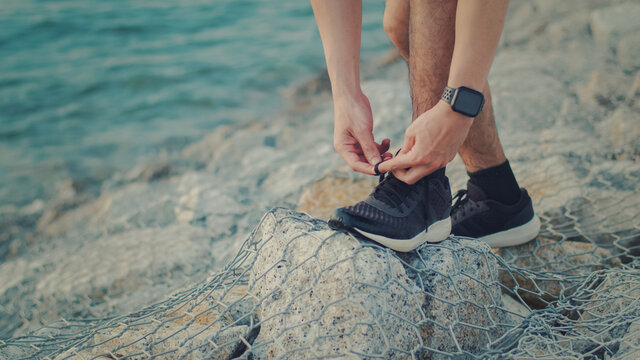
(190, 250)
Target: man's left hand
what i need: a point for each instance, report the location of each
(430, 143)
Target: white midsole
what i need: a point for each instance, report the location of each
(435, 233)
(515, 236)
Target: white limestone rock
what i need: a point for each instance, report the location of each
(325, 293)
(517, 310)
(630, 343)
(463, 295)
(169, 341)
(550, 269)
(622, 128)
(610, 300)
(606, 88)
(612, 23)
(633, 95)
(628, 51)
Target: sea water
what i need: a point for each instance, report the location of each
(90, 87)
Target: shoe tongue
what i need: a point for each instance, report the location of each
(392, 188)
(474, 192)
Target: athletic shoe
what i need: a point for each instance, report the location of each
(497, 224)
(401, 216)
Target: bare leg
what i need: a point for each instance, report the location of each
(431, 40)
(482, 149)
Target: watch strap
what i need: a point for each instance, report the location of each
(447, 94)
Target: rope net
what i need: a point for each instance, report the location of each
(297, 289)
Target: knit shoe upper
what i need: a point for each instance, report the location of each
(473, 215)
(396, 211)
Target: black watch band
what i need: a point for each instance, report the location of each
(447, 94)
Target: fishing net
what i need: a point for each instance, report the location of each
(297, 289)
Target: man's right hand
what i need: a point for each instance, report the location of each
(353, 134)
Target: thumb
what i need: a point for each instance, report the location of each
(401, 161)
(369, 148)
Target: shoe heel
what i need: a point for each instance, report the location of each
(439, 230)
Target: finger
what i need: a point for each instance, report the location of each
(387, 156)
(383, 147)
(369, 148)
(402, 161)
(413, 174)
(401, 174)
(408, 143)
(357, 163)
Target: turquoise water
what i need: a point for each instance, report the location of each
(90, 87)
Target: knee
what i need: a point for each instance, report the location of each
(397, 30)
(394, 29)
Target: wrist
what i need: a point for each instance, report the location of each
(346, 91)
(452, 114)
(476, 83)
(347, 96)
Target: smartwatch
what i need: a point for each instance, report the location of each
(464, 100)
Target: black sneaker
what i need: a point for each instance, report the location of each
(497, 224)
(401, 216)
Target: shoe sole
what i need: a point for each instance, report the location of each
(514, 236)
(435, 233)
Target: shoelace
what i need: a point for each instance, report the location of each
(460, 199)
(390, 190)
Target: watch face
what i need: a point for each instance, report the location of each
(468, 102)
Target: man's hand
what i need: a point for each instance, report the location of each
(430, 143)
(353, 134)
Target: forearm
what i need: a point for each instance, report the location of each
(340, 25)
(478, 28)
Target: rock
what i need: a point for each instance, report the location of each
(98, 277)
(209, 325)
(628, 51)
(74, 354)
(551, 181)
(208, 148)
(325, 293)
(35, 207)
(114, 262)
(529, 102)
(332, 192)
(226, 146)
(630, 343)
(517, 310)
(155, 171)
(606, 88)
(576, 25)
(622, 128)
(521, 24)
(543, 270)
(633, 96)
(68, 196)
(611, 23)
(610, 306)
(552, 8)
(310, 92)
(169, 341)
(459, 280)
